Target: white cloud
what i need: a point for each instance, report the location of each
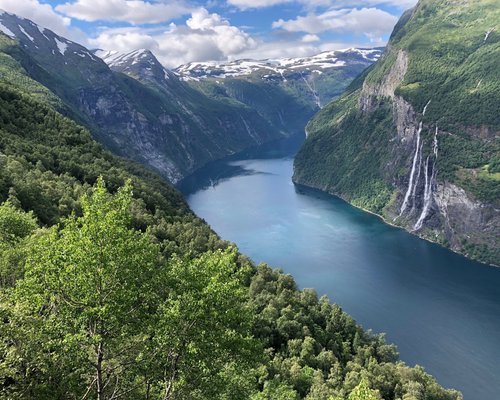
(204, 37)
(310, 38)
(311, 4)
(246, 4)
(132, 11)
(372, 22)
(293, 49)
(43, 15)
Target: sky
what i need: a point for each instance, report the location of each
(182, 31)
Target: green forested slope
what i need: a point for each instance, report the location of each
(439, 179)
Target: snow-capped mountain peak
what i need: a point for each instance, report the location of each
(140, 62)
(117, 59)
(31, 35)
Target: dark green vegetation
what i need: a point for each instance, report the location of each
(361, 147)
(117, 290)
(287, 108)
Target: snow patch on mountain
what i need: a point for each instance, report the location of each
(269, 67)
(116, 59)
(61, 46)
(26, 34)
(7, 31)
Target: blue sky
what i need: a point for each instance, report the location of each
(180, 31)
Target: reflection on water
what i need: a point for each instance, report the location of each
(442, 310)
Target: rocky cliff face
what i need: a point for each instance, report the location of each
(433, 165)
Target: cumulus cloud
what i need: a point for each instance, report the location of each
(246, 4)
(371, 22)
(44, 15)
(203, 37)
(310, 38)
(132, 11)
(311, 4)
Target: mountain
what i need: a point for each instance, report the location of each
(320, 76)
(140, 63)
(287, 92)
(284, 93)
(162, 122)
(415, 139)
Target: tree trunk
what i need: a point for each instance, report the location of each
(99, 380)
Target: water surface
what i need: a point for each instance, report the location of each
(440, 309)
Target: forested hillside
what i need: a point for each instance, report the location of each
(416, 138)
(111, 288)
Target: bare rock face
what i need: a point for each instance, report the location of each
(466, 218)
(372, 91)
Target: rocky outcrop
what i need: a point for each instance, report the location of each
(371, 91)
(465, 218)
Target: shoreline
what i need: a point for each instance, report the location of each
(385, 221)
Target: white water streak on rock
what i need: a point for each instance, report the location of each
(313, 91)
(412, 173)
(419, 169)
(429, 182)
(425, 108)
(411, 186)
(488, 33)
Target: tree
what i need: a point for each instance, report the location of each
(100, 314)
(202, 328)
(91, 280)
(363, 392)
(15, 226)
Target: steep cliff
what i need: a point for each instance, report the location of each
(416, 138)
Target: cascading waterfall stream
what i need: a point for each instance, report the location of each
(313, 91)
(411, 188)
(429, 182)
(412, 173)
(419, 169)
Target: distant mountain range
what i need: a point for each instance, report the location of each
(277, 68)
(318, 78)
(170, 120)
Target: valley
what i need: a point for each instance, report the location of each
(247, 225)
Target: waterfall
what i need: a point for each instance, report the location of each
(419, 169)
(425, 108)
(412, 173)
(435, 145)
(429, 182)
(313, 91)
(418, 150)
(488, 33)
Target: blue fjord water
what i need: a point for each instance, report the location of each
(440, 309)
